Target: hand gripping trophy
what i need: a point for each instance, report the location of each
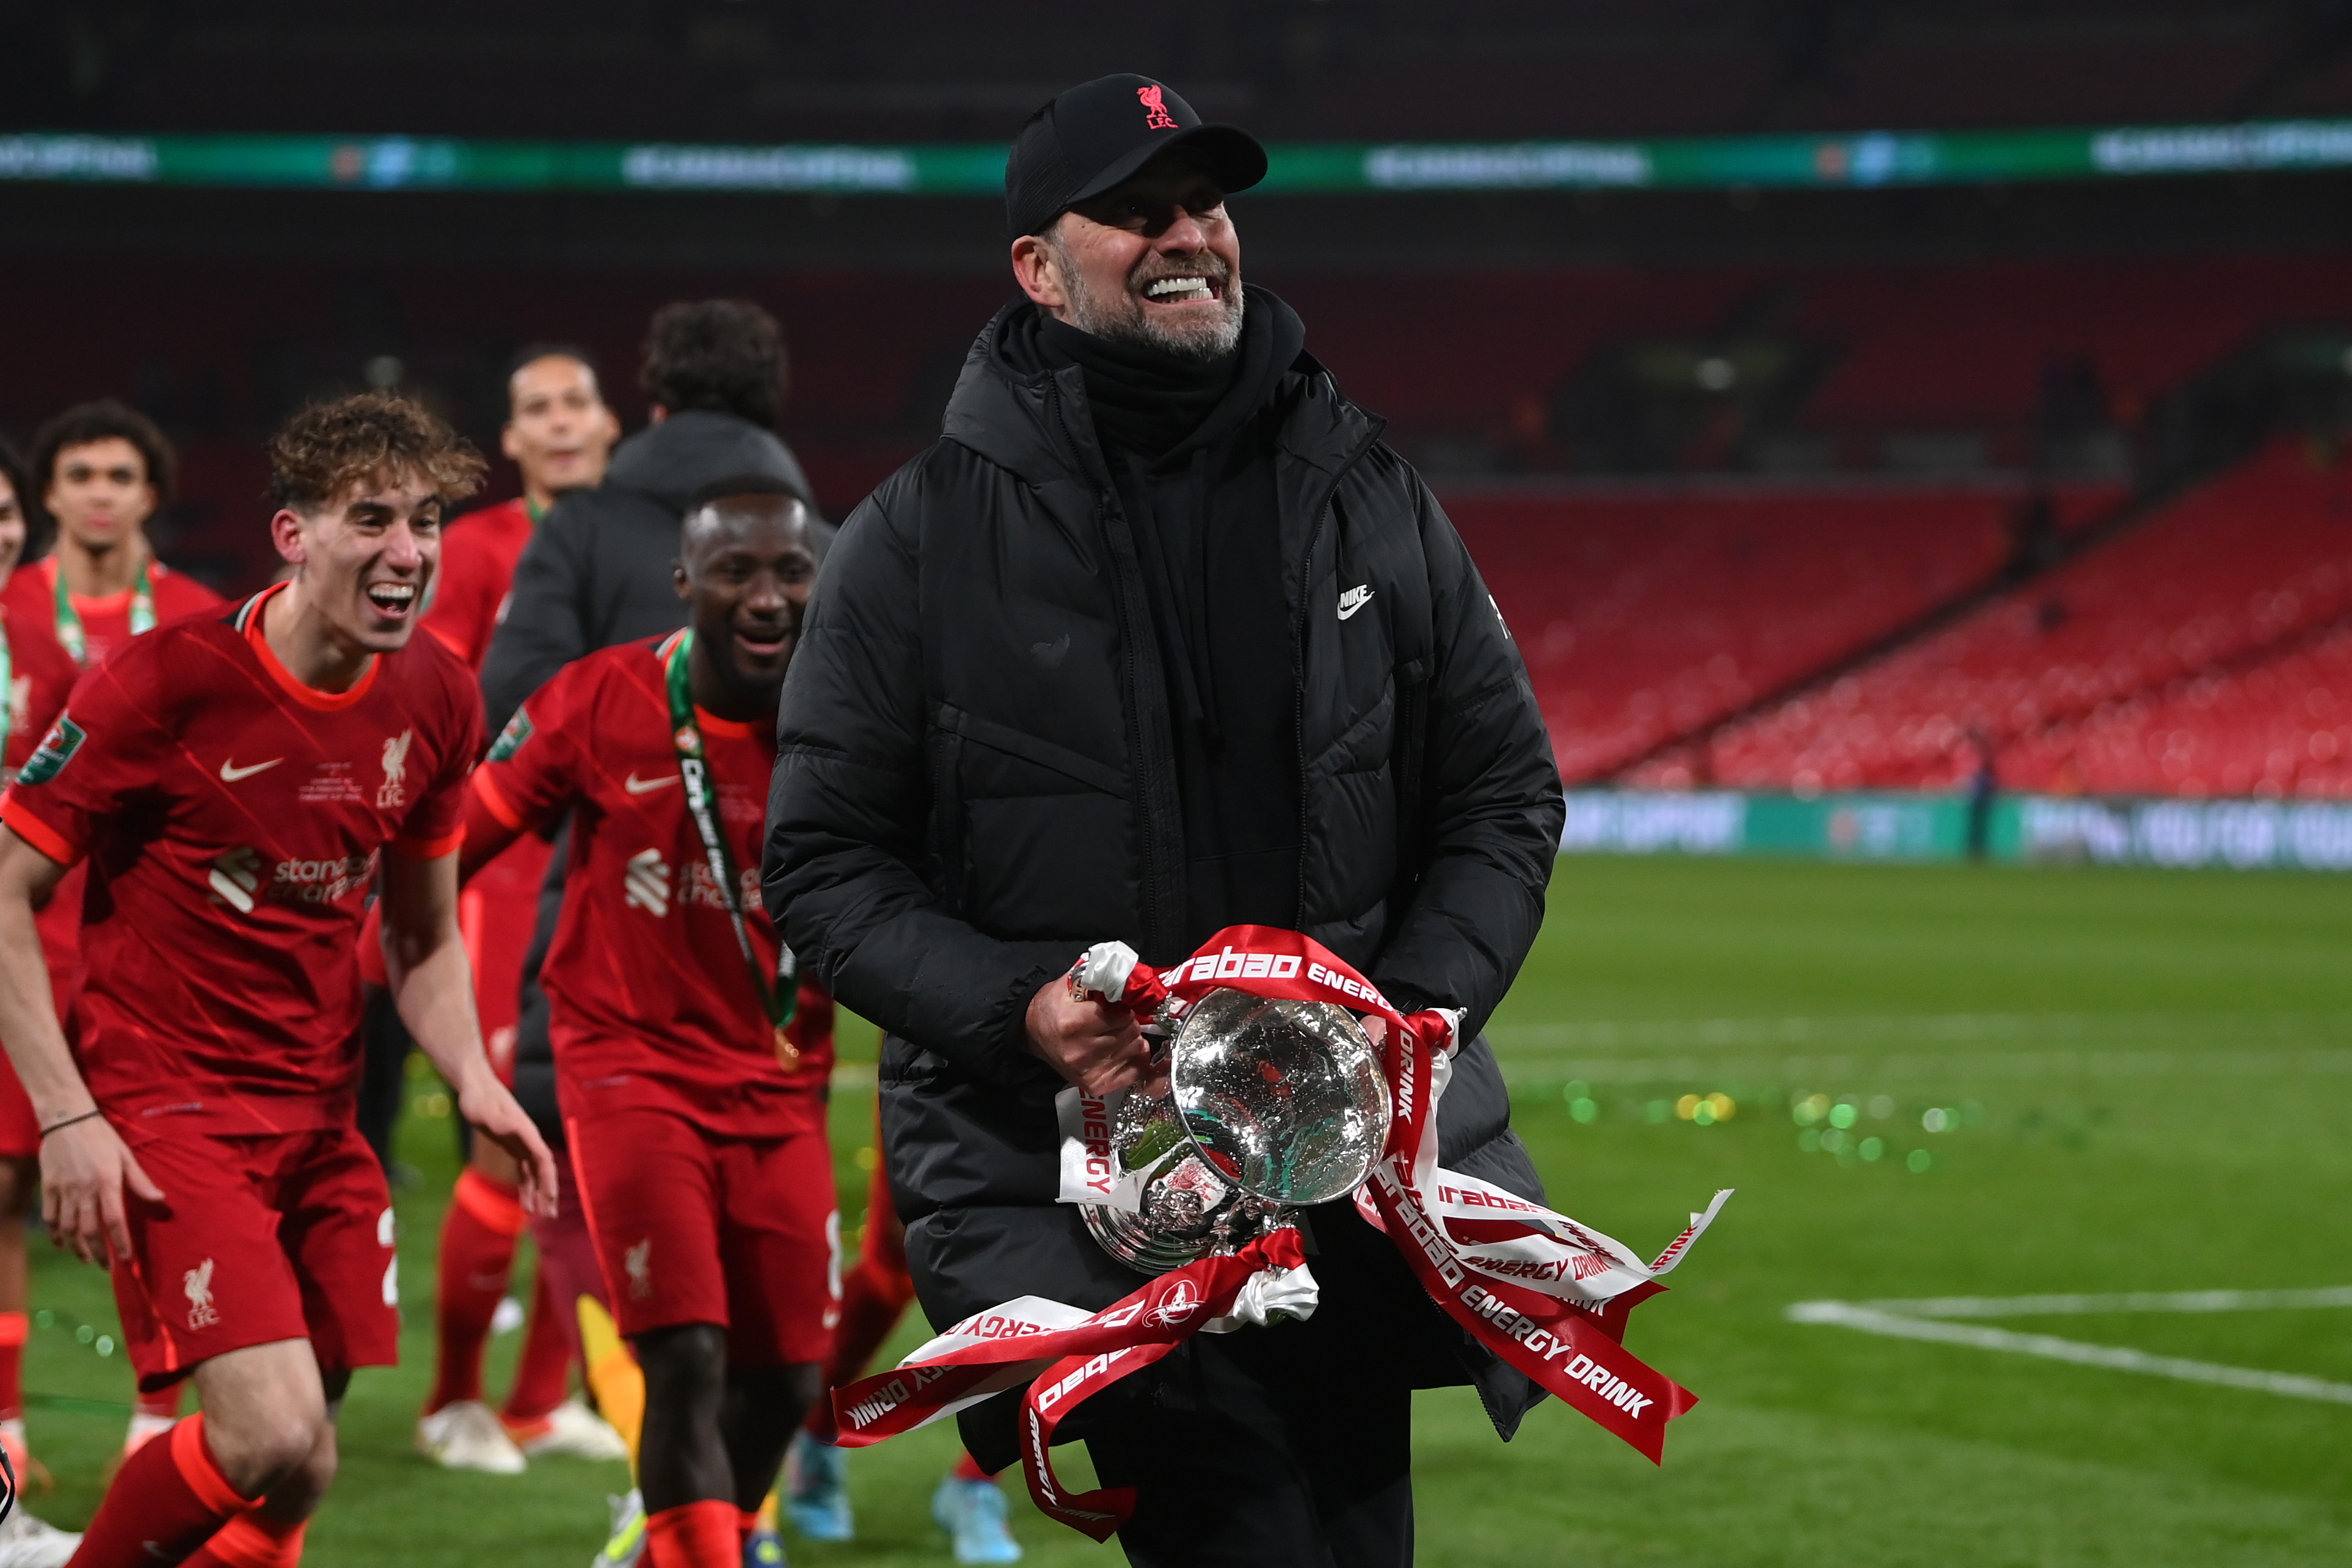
(1289, 1081)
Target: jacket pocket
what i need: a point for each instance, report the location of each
(1045, 835)
(1004, 739)
(1051, 867)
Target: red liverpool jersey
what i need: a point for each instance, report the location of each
(40, 677)
(233, 818)
(652, 1002)
(31, 599)
(469, 591)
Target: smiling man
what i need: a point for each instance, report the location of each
(693, 1087)
(559, 436)
(102, 470)
(237, 785)
(1159, 638)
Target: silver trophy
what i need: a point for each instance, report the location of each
(1272, 1105)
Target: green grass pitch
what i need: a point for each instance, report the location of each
(2150, 1078)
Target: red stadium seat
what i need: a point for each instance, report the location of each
(2191, 656)
(1647, 615)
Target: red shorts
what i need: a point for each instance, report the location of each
(699, 1228)
(286, 1236)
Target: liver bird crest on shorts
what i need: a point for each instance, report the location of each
(198, 1282)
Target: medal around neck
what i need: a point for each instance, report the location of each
(1272, 1106)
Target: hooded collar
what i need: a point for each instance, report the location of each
(1022, 413)
(1162, 406)
(669, 460)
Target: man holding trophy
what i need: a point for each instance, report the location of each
(1157, 641)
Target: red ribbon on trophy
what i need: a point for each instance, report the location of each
(1549, 1295)
(1066, 1356)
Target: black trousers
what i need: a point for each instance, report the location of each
(1261, 1448)
(1282, 1447)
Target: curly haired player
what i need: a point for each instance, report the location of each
(236, 783)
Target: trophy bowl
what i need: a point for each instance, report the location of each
(1187, 1210)
(1272, 1106)
(1285, 1099)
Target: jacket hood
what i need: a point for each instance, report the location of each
(1004, 407)
(671, 460)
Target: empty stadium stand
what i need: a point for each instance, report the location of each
(2280, 725)
(1971, 349)
(2194, 654)
(1645, 615)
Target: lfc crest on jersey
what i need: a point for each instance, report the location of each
(393, 793)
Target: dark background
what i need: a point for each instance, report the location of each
(1540, 336)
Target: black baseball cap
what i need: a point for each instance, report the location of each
(1091, 138)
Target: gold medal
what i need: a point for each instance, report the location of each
(787, 1053)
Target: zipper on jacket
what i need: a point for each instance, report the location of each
(1323, 510)
(1105, 499)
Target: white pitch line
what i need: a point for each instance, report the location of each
(1605, 1034)
(2129, 1301)
(1523, 1066)
(1898, 1326)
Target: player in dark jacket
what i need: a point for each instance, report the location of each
(1159, 637)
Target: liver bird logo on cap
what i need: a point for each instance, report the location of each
(1156, 116)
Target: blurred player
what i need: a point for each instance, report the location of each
(966, 1503)
(696, 1113)
(35, 676)
(102, 470)
(237, 781)
(560, 435)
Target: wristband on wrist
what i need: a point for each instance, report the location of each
(69, 1120)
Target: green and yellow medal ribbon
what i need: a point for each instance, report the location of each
(777, 997)
(70, 631)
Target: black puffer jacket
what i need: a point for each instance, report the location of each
(974, 780)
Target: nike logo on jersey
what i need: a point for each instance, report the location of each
(1355, 599)
(231, 772)
(636, 786)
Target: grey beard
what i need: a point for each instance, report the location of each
(1124, 319)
